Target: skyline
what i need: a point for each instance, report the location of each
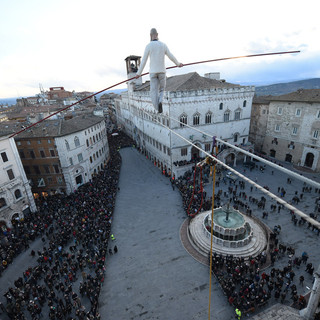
(83, 47)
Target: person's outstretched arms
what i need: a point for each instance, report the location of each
(143, 61)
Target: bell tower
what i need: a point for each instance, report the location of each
(133, 64)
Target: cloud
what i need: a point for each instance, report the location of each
(107, 71)
(275, 45)
(47, 42)
(285, 68)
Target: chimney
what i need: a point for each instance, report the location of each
(212, 75)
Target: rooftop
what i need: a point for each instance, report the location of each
(60, 127)
(79, 123)
(4, 133)
(23, 112)
(261, 99)
(190, 81)
(301, 95)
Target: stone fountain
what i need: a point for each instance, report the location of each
(233, 233)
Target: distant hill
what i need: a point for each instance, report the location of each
(284, 88)
(8, 101)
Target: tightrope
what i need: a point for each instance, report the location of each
(271, 164)
(144, 74)
(281, 201)
(267, 192)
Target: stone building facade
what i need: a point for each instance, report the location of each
(83, 149)
(207, 103)
(259, 121)
(293, 128)
(58, 93)
(16, 198)
(40, 159)
(61, 155)
(107, 100)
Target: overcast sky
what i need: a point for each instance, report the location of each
(81, 45)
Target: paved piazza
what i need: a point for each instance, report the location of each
(152, 276)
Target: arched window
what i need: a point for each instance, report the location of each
(237, 115)
(244, 103)
(226, 116)
(17, 194)
(221, 106)
(67, 145)
(196, 119)
(3, 202)
(76, 141)
(236, 137)
(90, 159)
(87, 141)
(183, 120)
(208, 117)
(309, 160)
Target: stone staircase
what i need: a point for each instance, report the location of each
(201, 242)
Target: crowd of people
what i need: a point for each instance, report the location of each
(247, 288)
(76, 234)
(75, 230)
(15, 240)
(194, 197)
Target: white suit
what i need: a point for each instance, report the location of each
(157, 51)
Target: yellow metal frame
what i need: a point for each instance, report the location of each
(212, 164)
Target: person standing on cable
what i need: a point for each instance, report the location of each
(157, 51)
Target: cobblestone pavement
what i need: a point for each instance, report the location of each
(152, 276)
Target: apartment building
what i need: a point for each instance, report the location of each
(287, 127)
(60, 155)
(16, 198)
